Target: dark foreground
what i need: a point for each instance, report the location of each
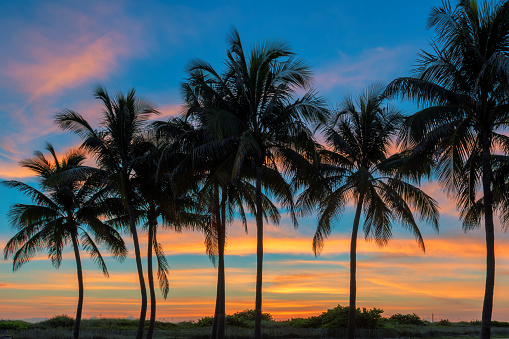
(330, 324)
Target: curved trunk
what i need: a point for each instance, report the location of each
(490, 237)
(139, 267)
(79, 309)
(353, 269)
(151, 227)
(259, 252)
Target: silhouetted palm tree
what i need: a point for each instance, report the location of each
(156, 198)
(114, 147)
(69, 207)
(357, 168)
(463, 85)
(258, 116)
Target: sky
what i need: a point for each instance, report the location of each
(54, 53)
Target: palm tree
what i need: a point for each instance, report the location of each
(68, 207)
(157, 198)
(219, 199)
(259, 118)
(114, 147)
(356, 166)
(463, 85)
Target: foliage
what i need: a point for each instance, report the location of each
(406, 319)
(249, 315)
(443, 322)
(62, 321)
(13, 325)
(338, 318)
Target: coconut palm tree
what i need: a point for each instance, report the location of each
(114, 148)
(356, 167)
(219, 199)
(463, 85)
(260, 119)
(68, 208)
(156, 198)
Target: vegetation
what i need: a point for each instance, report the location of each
(463, 87)
(330, 324)
(247, 145)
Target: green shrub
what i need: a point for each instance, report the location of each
(13, 325)
(249, 315)
(205, 322)
(443, 322)
(495, 323)
(337, 317)
(406, 319)
(59, 321)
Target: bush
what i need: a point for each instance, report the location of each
(205, 322)
(443, 322)
(59, 321)
(249, 315)
(337, 317)
(13, 325)
(495, 323)
(406, 319)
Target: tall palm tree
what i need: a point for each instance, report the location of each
(261, 120)
(69, 207)
(114, 147)
(219, 199)
(156, 198)
(356, 167)
(463, 85)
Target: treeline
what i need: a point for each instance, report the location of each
(247, 143)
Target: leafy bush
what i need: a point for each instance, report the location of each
(205, 322)
(13, 325)
(249, 315)
(406, 319)
(495, 323)
(337, 317)
(443, 322)
(59, 321)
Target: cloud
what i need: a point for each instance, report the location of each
(69, 66)
(376, 64)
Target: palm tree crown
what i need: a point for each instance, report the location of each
(463, 85)
(356, 166)
(69, 208)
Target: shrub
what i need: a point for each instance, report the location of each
(495, 323)
(443, 322)
(13, 325)
(406, 319)
(250, 315)
(337, 317)
(205, 322)
(62, 321)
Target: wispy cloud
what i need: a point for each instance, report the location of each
(358, 71)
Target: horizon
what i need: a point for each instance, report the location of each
(57, 52)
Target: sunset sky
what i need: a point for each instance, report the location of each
(53, 54)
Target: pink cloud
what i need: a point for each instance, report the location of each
(70, 65)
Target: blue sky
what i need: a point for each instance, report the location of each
(54, 53)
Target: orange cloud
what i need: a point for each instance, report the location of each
(70, 65)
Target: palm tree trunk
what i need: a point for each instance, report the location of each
(353, 269)
(151, 226)
(79, 309)
(219, 314)
(139, 267)
(490, 237)
(221, 278)
(259, 252)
